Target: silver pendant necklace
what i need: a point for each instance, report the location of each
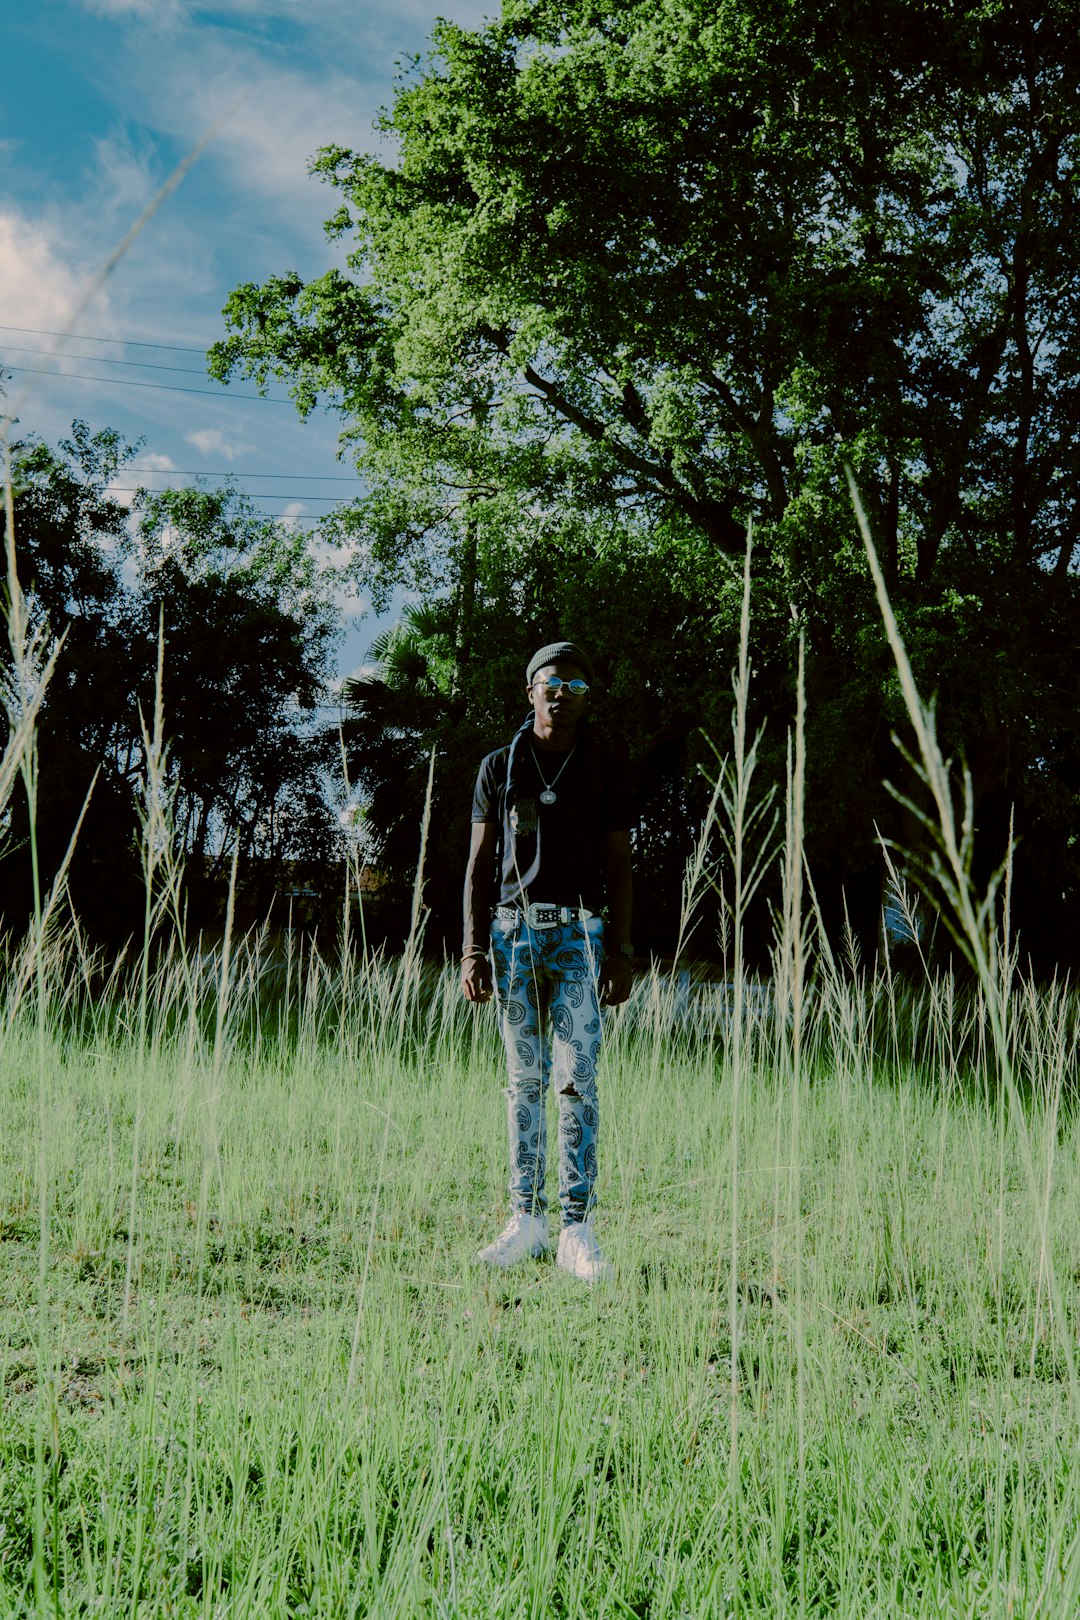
(548, 795)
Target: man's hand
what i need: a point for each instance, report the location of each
(476, 978)
(616, 977)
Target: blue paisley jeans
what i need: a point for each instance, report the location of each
(548, 975)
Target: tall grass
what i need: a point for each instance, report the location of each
(250, 1369)
(276, 1384)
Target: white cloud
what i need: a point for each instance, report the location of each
(125, 175)
(39, 294)
(38, 288)
(350, 603)
(332, 556)
(149, 462)
(365, 671)
(212, 442)
(155, 10)
(271, 137)
(337, 20)
(292, 101)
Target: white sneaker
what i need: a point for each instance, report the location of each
(524, 1237)
(579, 1253)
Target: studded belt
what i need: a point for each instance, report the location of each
(539, 915)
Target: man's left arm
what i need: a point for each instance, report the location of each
(616, 972)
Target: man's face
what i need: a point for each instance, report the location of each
(560, 710)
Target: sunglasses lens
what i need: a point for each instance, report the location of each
(557, 684)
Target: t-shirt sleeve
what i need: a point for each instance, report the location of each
(485, 805)
(618, 797)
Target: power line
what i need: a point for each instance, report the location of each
(132, 382)
(133, 343)
(105, 360)
(229, 472)
(261, 495)
(288, 517)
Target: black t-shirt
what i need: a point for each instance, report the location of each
(558, 849)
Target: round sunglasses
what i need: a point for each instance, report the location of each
(555, 683)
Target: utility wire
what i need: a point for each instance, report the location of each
(258, 495)
(106, 360)
(134, 343)
(288, 517)
(229, 472)
(131, 382)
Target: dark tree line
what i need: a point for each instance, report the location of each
(641, 274)
(248, 631)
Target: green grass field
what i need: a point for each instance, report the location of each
(249, 1368)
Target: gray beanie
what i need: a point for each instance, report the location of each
(561, 650)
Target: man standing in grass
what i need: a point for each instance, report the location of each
(551, 840)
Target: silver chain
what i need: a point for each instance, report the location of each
(548, 795)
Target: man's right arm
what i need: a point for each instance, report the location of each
(479, 881)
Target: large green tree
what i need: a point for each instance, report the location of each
(249, 628)
(72, 540)
(669, 266)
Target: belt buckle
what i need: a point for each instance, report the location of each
(543, 916)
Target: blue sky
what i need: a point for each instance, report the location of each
(98, 102)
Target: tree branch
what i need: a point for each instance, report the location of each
(712, 517)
